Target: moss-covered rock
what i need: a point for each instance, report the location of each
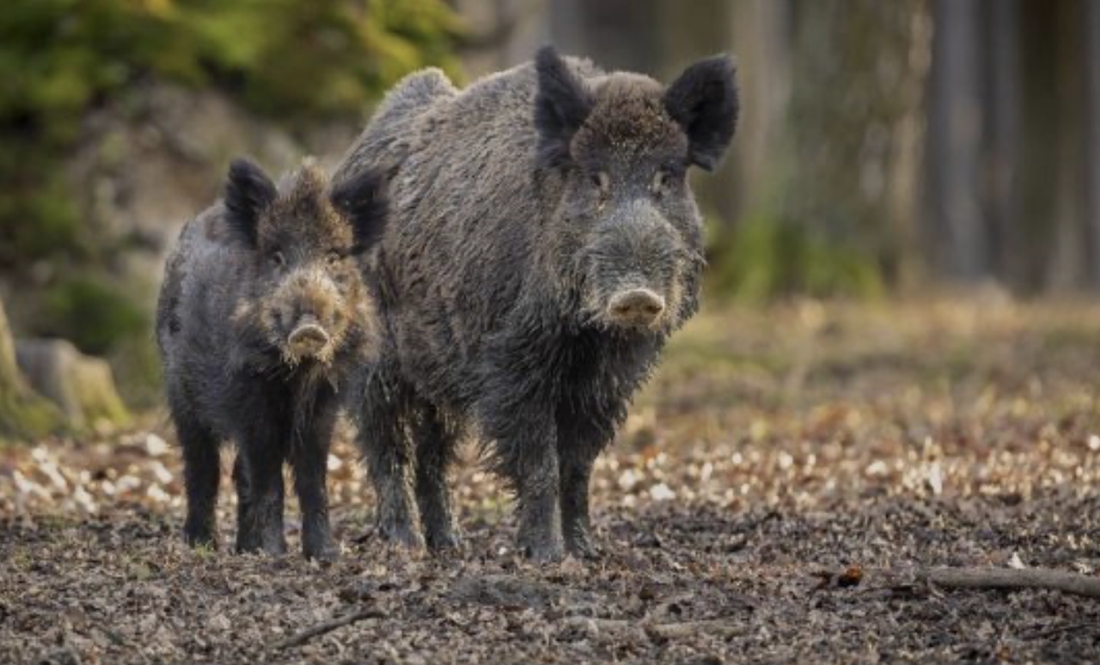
(24, 415)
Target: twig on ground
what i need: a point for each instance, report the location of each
(1057, 630)
(660, 631)
(1013, 578)
(327, 627)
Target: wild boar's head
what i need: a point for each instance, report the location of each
(303, 238)
(627, 227)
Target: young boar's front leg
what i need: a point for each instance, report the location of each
(310, 460)
(259, 476)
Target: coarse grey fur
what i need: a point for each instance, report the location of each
(261, 316)
(544, 245)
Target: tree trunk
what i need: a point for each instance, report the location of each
(959, 232)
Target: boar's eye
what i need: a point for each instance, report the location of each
(601, 181)
(333, 257)
(277, 259)
(660, 180)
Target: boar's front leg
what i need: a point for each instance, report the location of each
(583, 431)
(386, 446)
(309, 458)
(528, 457)
(435, 447)
(576, 526)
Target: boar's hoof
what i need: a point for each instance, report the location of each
(582, 547)
(308, 337)
(401, 534)
(543, 551)
(200, 537)
(443, 542)
(636, 307)
(326, 553)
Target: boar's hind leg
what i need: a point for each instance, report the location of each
(310, 460)
(435, 445)
(201, 472)
(386, 446)
(258, 473)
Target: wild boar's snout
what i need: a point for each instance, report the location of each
(635, 307)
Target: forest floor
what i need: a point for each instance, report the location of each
(774, 497)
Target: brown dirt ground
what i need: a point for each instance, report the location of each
(775, 449)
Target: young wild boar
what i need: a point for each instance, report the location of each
(546, 244)
(262, 313)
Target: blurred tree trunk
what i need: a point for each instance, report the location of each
(762, 32)
(615, 34)
(1092, 129)
(859, 70)
(958, 234)
(1003, 105)
(1067, 268)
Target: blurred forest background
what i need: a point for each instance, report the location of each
(884, 147)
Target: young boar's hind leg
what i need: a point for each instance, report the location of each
(435, 446)
(386, 445)
(259, 477)
(201, 472)
(310, 460)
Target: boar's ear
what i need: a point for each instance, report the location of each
(704, 102)
(561, 105)
(362, 199)
(247, 193)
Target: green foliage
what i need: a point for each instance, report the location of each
(92, 314)
(767, 257)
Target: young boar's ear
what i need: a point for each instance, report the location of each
(704, 102)
(362, 199)
(561, 105)
(247, 193)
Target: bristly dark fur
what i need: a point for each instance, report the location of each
(704, 101)
(248, 191)
(523, 208)
(224, 320)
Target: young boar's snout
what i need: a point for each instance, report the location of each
(309, 319)
(635, 307)
(308, 337)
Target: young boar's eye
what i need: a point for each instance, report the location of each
(602, 181)
(333, 257)
(663, 179)
(277, 259)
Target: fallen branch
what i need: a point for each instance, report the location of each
(1014, 578)
(327, 627)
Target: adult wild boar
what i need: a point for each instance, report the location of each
(545, 244)
(261, 316)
